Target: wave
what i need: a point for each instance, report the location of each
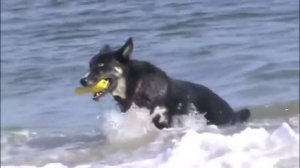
(130, 140)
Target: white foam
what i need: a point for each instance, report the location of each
(50, 165)
(250, 148)
(133, 124)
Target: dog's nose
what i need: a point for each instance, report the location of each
(83, 82)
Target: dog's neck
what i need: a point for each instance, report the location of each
(121, 88)
(138, 89)
(131, 85)
(128, 86)
(125, 103)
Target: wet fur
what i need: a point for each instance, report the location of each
(161, 94)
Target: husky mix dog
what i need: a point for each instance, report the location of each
(142, 83)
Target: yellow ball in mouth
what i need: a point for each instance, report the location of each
(99, 87)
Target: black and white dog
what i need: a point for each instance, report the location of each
(132, 81)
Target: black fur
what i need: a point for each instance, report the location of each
(157, 89)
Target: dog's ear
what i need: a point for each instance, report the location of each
(125, 51)
(105, 49)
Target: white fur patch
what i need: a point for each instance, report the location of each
(160, 111)
(120, 89)
(192, 108)
(87, 74)
(119, 71)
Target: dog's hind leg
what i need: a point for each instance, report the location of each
(222, 114)
(217, 111)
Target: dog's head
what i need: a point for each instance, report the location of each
(110, 65)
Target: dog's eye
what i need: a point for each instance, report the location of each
(100, 65)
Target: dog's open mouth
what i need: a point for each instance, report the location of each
(109, 88)
(97, 95)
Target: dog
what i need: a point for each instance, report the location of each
(141, 83)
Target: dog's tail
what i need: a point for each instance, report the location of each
(243, 115)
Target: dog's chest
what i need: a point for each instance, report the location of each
(120, 88)
(141, 100)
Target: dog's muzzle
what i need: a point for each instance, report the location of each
(97, 95)
(85, 82)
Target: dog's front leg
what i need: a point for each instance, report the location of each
(160, 117)
(123, 104)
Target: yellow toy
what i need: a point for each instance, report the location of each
(99, 87)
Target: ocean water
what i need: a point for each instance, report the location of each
(246, 51)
